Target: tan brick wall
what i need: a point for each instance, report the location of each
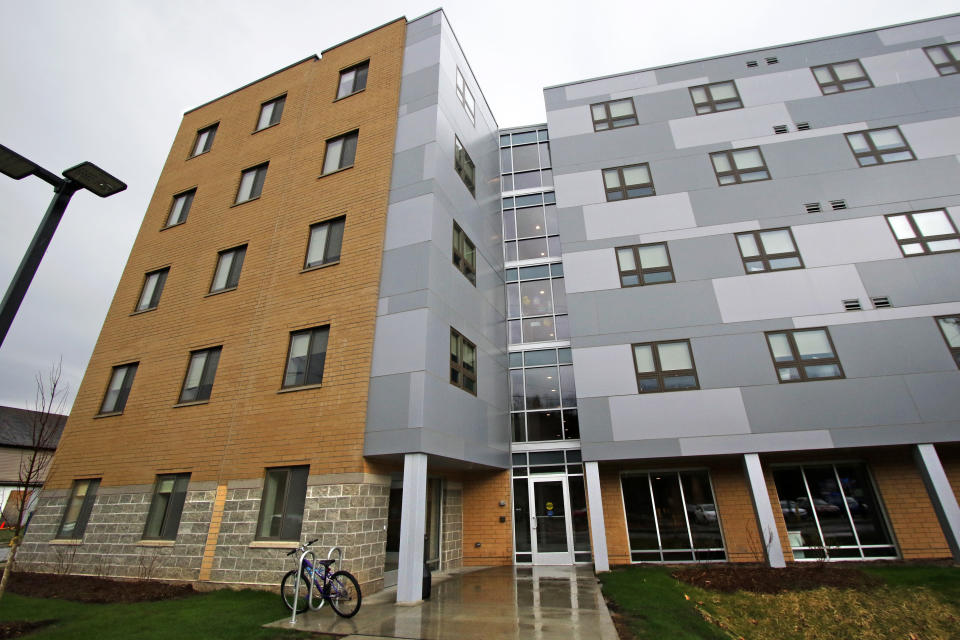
(614, 520)
(482, 494)
(247, 425)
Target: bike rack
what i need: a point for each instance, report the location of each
(339, 555)
(296, 590)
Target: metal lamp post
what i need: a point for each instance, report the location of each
(85, 175)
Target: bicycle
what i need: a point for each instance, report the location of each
(339, 588)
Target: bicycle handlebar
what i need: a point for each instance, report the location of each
(305, 545)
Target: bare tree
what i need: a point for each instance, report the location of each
(44, 431)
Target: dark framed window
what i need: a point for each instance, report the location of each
(838, 77)
(613, 114)
(115, 398)
(465, 97)
(341, 152)
(152, 289)
(945, 57)
(632, 181)
(353, 79)
(804, 354)
(323, 246)
(464, 166)
(463, 362)
(664, 366)
(735, 166)
(251, 183)
(950, 328)
(166, 507)
(83, 494)
(270, 112)
(879, 146)
(227, 274)
(306, 357)
(924, 232)
(201, 370)
(204, 141)
(716, 96)
(768, 250)
(644, 264)
(464, 254)
(281, 504)
(180, 208)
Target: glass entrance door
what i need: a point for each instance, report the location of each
(550, 525)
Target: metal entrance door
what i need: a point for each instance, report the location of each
(551, 531)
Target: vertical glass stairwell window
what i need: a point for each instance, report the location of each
(544, 396)
(530, 227)
(537, 304)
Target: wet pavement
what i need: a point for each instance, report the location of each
(498, 602)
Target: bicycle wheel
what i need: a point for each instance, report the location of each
(343, 593)
(289, 585)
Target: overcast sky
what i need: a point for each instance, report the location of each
(108, 81)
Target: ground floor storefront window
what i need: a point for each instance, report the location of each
(832, 512)
(671, 517)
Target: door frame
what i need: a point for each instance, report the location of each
(554, 557)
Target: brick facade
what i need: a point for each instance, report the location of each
(482, 495)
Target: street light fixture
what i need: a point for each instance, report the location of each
(85, 175)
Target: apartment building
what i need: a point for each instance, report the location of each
(707, 312)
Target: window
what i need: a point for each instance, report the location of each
(945, 57)
(644, 264)
(769, 250)
(323, 247)
(543, 396)
(537, 304)
(531, 227)
(841, 76)
(628, 182)
(169, 494)
(204, 140)
(739, 165)
(251, 183)
(463, 362)
(466, 97)
(152, 288)
(115, 399)
(341, 152)
(227, 274)
(353, 80)
(924, 232)
(306, 357)
(270, 112)
(879, 146)
(281, 505)
(79, 505)
(464, 167)
(613, 114)
(664, 366)
(180, 207)
(464, 254)
(718, 96)
(804, 354)
(950, 327)
(201, 370)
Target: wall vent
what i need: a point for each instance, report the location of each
(772, 60)
(803, 126)
(812, 207)
(852, 305)
(751, 63)
(779, 128)
(836, 205)
(880, 302)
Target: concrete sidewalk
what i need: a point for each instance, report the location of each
(499, 602)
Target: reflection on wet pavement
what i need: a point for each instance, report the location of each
(499, 602)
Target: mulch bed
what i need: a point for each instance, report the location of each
(19, 628)
(728, 578)
(95, 590)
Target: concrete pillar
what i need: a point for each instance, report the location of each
(598, 532)
(767, 524)
(941, 494)
(412, 528)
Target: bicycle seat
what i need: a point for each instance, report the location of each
(326, 563)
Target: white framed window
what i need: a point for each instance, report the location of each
(180, 208)
(323, 246)
(115, 398)
(152, 289)
(271, 112)
(341, 152)
(353, 80)
(251, 183)
(466, 97)
(204, 141)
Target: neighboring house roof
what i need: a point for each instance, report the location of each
(16, 427)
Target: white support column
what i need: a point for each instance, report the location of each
(764, 511)
(598, 532)
(941, 494)
(412, 528)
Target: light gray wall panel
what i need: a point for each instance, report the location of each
(735, 360)
(915, 280)
(604, 371)
(895, 434)
(400, 343)
(392, 410)
(919, 32)
(891, 348)
(933, 138)
(677, 415)
(420, 85)
(705, 258)
(936, 394)
(636, 450)
(755, 442)
(408, 168)
(899, 66)
(595, 423)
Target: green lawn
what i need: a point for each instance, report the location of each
(218, 614)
